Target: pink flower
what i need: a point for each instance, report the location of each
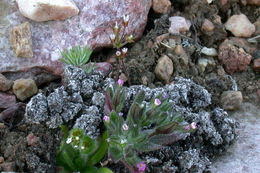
(120, 114)
(106, 118)
(157, 102)
(125, 127)
(118, 53)
(141, 166)
(120, 82)
(193, 125)
(187, 127)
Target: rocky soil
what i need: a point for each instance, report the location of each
(203, 54)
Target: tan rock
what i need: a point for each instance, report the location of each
(240, 26)
(164, 69)
(231, 100)
(45, 10)
(5, 84)
(207, 26)
(256, 65)
(253, 2)
(161, 6)
(257, 26)
(2, 160)
(24, 88)
(20, 38)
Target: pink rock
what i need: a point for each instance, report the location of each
(91, 28)
(234, 59)
(256, 65)
(179, 24)
(6, 100)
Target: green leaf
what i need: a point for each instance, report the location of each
(77, 56)
(100, 152)
(88, 144)
(104, 170)
(116, 152)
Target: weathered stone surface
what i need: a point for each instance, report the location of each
(6, 100)
(91, 27)
(21, 40)
(161, 6)
(164, 69)
(256, 65)
(5, 84)
(44, 10)
(179, 24)
(234, 59)
(231, 100)
(24, 88)
(240, 26)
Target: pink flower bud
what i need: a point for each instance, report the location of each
(157, 102)
(106, 118)
(187, 127)
(120, 82)
(125, 127)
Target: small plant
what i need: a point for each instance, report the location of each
(80, 153)
(119, 39)
(77, 56)
(147, 127)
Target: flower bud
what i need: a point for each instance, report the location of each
(124, 50)
(126, 19)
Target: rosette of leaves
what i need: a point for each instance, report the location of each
(78, 56)
(80, 153)
(149, 126)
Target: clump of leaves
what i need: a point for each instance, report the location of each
(147, 127)
(77, 56)
(80, 153)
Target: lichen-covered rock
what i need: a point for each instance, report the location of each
(215, 130)
(21, 40)
(161, 6)
(240, 26)
(24, 88)
(44, 10)
(98, 99)
(89, 121)
(37, 109)
(164, 69)
(231, 100)
(234, 59)
(5, 84)
(90, 28)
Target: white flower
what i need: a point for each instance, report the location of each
(125, 127)
(126, 18)
(77, 138)
(113, 36)
(69, 140)
(130, 37)
(116, 27)
(123, 141)
(124, 50)
(82, 148)
(118, 53)
(76, 146)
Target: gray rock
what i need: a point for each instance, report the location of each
(37, 109)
